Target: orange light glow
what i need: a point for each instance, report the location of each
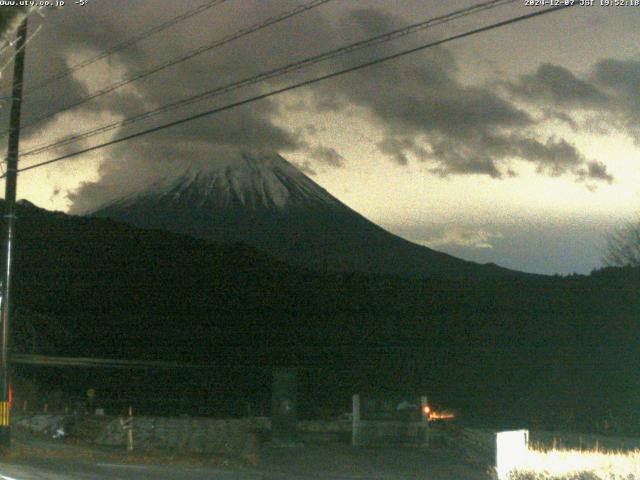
(432, 415)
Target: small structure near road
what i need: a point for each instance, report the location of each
(284, 407)
(390, 420)
(511, 451)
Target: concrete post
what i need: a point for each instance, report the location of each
(130, 431)
(284, 407)
(355, 416)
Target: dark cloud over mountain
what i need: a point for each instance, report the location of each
(423, 105)
(328, 155)
(610, 90)
(559, 86)
(429, 113)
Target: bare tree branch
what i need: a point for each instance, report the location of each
(623, 246)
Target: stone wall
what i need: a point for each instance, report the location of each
(234, 437)
(189, 434)
(185, 434)
(324, 431)
(372, 433)
(43, 423)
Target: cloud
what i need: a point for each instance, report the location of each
(556, 85)
(562, 117)
(254, 127)
(553, 157)
(557, 157)
(398, 147)
(328, 156)
(427, 113)
(621, 75)
(306, 168)
(622, 79)
(595, 171)
(470, 237)
(463, 157)
(425, 110)
(609, 93)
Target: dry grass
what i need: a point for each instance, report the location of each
(579, 465)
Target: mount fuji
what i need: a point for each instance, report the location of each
(266, 202)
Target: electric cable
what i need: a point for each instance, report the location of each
(403, 53)
(372, 41)
(123, 45)
(177, 60)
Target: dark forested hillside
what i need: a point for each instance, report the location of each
(543, 349)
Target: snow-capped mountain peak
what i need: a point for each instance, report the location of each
(240, 179)
(266, 202)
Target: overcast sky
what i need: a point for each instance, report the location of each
(518, 146)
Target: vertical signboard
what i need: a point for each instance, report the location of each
(284, 406)
(511, 451)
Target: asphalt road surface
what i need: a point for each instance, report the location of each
(106, 471)
(76, 470)
(56, 460)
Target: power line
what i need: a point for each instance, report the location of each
(125, 44)
(359, 45)
(179, 59)
(30, 38)
(55, 361)
(247, 353)
(301, 84)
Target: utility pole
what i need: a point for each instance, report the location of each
(9, 224)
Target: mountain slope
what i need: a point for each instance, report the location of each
(522, 346)
(266, 202)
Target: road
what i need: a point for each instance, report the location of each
(104, 471)
(41, 459)
(64, 469)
